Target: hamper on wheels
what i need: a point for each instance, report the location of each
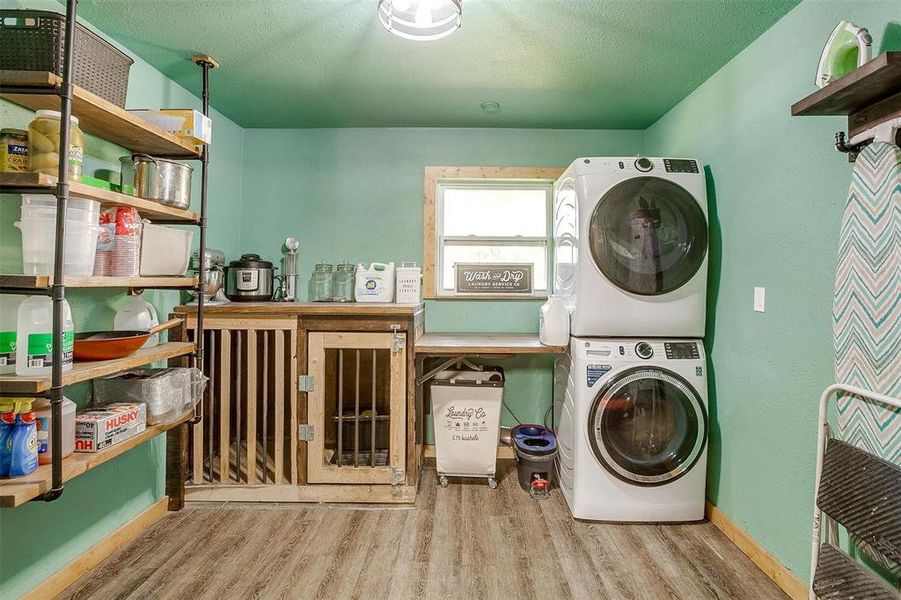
(466, 414)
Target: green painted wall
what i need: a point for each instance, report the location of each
(37, 539)
(358, 193)
(777, 191)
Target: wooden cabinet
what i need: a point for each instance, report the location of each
(308, 402)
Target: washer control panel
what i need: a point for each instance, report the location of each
(677, 165)
(681, 350)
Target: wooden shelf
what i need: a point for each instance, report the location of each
(19, 490)
(150, 209)
(86, 370)
(483, 343)
(39, 282)
(869, 94)
(97, 116)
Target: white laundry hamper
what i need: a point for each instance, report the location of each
(466, 415)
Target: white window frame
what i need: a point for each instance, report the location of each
(441, 241)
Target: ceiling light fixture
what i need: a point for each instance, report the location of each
(421, 20)
(491, 107)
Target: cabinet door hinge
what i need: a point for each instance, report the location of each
(305, 433)
(397, 476)
(305, 383)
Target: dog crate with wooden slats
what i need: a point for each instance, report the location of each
(308, 403)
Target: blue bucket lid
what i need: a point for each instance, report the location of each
(534, 439)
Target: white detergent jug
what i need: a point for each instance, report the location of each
(553, 322)
(9, 315)
(136, 313)
(374, 283)
(34, 336)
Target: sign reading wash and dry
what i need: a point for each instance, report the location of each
(494, 278)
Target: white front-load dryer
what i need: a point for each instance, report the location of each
(631, 423)
(630, 246)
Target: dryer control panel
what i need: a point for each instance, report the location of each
(678, 165)
(682, 350)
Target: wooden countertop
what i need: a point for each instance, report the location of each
(484, 343)
(338, 309)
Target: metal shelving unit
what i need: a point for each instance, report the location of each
(33, 90)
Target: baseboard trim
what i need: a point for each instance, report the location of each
(781, 575)
(503, 452)
(66, 576)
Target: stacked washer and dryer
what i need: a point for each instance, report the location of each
(630, 402)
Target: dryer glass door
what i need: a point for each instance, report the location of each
(648, 236)
(647, 426)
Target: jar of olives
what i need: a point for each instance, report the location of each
(43, 145)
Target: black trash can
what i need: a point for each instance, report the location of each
(536, 448)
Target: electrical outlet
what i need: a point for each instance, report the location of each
(759, 299)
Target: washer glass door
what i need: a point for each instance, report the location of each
(648, 236)
(647, 426)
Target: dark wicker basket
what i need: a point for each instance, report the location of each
(32, 40)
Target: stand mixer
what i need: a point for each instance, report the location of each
(214, 276)
(287, 288)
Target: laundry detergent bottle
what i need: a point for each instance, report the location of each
(9, 315)
(7, 425)
(34, 336)
(23, 445)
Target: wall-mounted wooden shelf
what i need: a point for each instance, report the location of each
(868, 95)
(97, 116)
(42, 282)
(41, 184)
(17, 491)
(87, 370)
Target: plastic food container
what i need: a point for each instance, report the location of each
(165, 251)
(43, 145)
(39, 239)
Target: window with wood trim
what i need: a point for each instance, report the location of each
(491, 216)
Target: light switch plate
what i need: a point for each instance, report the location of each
(759, 299)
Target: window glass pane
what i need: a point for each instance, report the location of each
(495, 212)
(495, 254)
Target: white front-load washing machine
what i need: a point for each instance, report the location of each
(630, 246)
(631, 424)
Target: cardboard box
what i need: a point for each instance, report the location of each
(98, 429)
(191, 125)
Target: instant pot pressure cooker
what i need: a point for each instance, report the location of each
(249, 279)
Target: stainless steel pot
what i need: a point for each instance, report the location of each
(163, 180)
(249, 279)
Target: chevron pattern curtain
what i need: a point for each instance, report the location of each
(867, 302)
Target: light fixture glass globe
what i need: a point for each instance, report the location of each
(421, 20)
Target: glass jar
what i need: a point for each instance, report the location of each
(43, 145)
(344, 282)
(321, 283)
(13, 151)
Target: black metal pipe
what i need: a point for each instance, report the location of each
(201, 276)
(59, 289)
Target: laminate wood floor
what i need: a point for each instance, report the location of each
(463, 541)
